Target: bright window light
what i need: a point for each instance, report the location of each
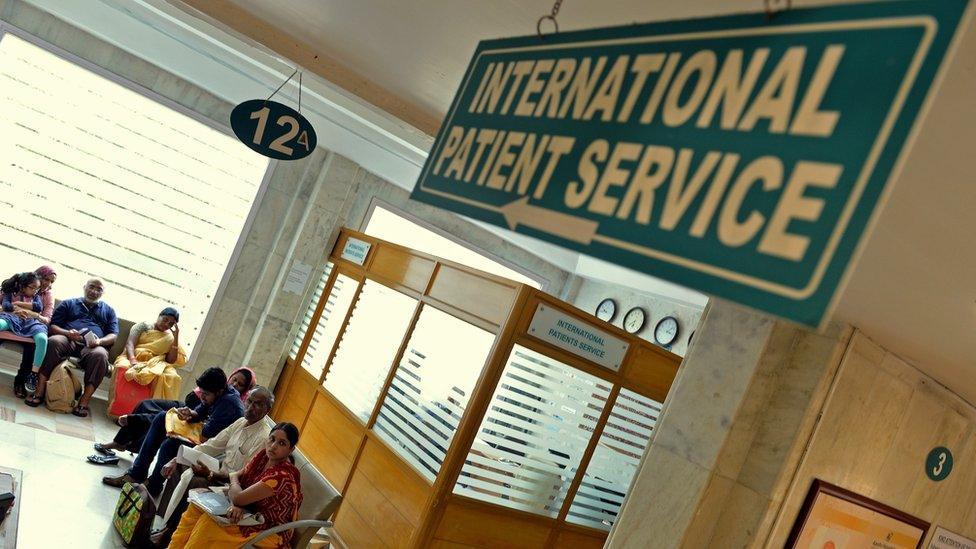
(386, 225)
(98, 180)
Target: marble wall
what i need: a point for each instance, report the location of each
(761, 408)
(879, 423)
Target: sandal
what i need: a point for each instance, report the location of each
(33, 401)
(103, 460)
(101, 449)
(80, 411)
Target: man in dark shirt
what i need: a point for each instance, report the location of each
(72, 320)
(221, 405)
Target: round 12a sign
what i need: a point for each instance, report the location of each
(272, 129)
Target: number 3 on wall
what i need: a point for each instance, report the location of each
(938, 464)
(289, 137)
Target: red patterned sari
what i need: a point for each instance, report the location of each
(286, 483)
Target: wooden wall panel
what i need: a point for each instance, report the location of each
(405, 488)
(579, 540)
(377, 513)
(399, 266)
(481, 297)
(384, 497)
(354, 531)
(484, 526)
(652, 370)
(293, 405)
(331, 440)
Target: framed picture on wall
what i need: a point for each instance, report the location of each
(835, 518)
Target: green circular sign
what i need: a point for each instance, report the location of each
(938, 464)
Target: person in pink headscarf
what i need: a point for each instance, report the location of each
(242, 379)
(26, 379)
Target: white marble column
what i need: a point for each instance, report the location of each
(698, 415)
(731, 433)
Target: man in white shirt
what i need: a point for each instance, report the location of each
(234, 446)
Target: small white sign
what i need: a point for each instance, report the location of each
(578, 337)
(297, 278)
(944, 539)
(355, 250)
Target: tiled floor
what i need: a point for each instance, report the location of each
(64, 502)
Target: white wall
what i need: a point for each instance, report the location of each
(587, 294)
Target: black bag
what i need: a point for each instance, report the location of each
(133, 517)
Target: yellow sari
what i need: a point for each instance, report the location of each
(150, 353)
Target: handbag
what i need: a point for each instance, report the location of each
(133, 515)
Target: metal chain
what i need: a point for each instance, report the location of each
(281, 86)
(551, 17)
(555, 7)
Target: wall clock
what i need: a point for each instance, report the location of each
(634, 320)
(666, 330)
(606, 309)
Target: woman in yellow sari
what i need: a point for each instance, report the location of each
(153, 354)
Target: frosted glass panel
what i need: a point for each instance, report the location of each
(431, 388)
(614, 463)
(368, 347)
(310, 311)
(532, 439)
(328, 324)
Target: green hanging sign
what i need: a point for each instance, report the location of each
(734, 155)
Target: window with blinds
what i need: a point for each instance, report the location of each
(531, 441)
(296, 345)
(365, 355)
(98, 180)
(431, 387)
(614, 463)
(329, 323)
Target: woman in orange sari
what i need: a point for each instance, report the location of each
(269, 484)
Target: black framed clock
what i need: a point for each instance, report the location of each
(666, 330)
(634, 320)
(606, 310)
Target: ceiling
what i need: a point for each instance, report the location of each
(912, 289)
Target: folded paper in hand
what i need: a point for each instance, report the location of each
(189, 456)
(178, 428)
(90, 337)
(216, 505)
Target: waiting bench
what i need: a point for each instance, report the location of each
(104, 390)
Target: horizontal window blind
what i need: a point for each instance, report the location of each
(431, 387)
(296, 345)
(615, 460)
(328, 324)
(100, 181)
(365, 355)
(532, 439)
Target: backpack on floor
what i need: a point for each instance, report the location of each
(133, 516)
(62, 388)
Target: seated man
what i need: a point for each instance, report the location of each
(221, 405)
(133, 427)
(71, 320)
(234, 445)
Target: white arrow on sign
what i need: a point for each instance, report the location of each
(520, 212)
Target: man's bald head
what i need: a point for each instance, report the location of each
(93, 289)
